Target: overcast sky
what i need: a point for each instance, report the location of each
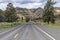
(26, 3)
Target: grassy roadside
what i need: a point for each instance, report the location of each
(9, 25)
(57, 25)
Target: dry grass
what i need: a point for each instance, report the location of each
(57, 25)
(9, 25)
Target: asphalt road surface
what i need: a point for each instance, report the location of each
(28, 31)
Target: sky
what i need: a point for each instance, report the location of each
(26, 3)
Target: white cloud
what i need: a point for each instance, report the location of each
(34, 4)
(17, 3)
(29, 5)
(3, 6)
(5, 1)
(26, 0)
(36, 0)
(57, 5)
(57, 0)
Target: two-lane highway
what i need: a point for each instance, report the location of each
(28, 31)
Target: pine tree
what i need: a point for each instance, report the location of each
(1, 15)
(48, 15)
(10, 14)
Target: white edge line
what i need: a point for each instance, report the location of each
(46, 34)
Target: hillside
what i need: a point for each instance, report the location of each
(39, 12)
(34, 13)
(57, 11)
(31, 13)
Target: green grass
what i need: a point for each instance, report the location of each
(9, 25)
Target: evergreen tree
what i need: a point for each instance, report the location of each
(10, 14)
(48, 15)
(1, 15)
(27, 19)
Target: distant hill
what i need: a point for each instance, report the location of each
(35, 13)
(38, 12)
(57, 11)
(31, 13)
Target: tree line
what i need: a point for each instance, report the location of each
(10, 15)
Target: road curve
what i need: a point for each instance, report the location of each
(28, 31)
